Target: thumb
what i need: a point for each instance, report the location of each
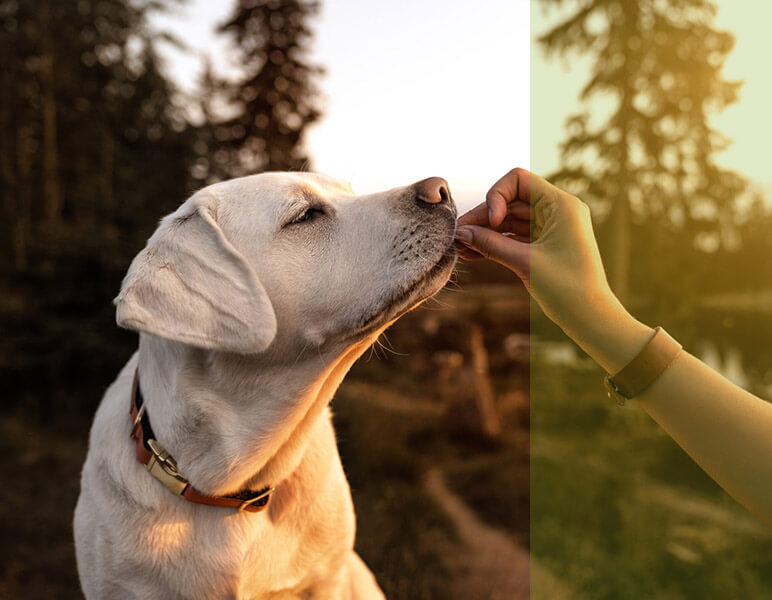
(503, 249)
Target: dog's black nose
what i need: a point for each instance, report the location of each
(434, 190)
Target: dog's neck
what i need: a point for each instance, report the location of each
(234, 422)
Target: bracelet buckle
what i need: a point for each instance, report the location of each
(643, 370)
(614, 392)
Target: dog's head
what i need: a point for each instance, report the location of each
(289, 260)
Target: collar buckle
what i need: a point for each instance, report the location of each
(163, 467)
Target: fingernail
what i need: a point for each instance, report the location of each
(490, 215)
(463, 235)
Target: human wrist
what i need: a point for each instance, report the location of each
(608, 332)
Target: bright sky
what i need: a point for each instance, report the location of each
(413, 89)
(748, 122)
(433, 87)
(555, 88)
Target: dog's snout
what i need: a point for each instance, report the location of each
(434, 190)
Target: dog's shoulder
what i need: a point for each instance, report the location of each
(111, 470)
(114, 408)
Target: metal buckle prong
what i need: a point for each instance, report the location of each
(251, 501)
(137, 421)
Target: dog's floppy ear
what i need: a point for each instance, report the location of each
(191, 285)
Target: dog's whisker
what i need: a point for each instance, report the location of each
(372, 352)
(390, 347)
(442, 303)
(302, 350)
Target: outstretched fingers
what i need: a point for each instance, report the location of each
(509, 250)
(507, 210)
(479, 215)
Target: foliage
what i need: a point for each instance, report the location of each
(651, 161)
(274, 101)
(95, 146)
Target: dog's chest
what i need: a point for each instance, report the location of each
(249, 555)
(302, 564)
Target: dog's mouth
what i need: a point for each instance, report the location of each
(404, 300)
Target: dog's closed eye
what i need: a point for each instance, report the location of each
(309, 214)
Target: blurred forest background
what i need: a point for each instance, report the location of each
(97, 143)
(617, 509)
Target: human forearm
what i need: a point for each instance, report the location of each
(721, 426)
(725, 429)
(550, 245)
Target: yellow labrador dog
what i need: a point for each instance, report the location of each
(212, 469)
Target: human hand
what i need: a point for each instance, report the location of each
(545, 236)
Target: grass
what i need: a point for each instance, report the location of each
(618, 511)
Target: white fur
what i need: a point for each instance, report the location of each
(247, 327)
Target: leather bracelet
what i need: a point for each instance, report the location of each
(658, 354)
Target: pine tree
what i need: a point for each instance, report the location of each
(211, 164)
(77, 105)
(652, 160)
(93, 149)
(275, 101)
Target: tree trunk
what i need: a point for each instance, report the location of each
(620, 218)
(7, 158)
(21, 223)
(486, 402)
(619, 248)
(107, 168)
(52, 188)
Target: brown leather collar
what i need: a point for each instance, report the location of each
(161, 464)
